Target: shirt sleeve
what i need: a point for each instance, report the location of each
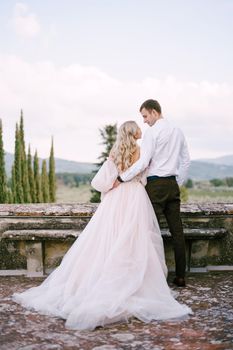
(146, 153)
(184, 163)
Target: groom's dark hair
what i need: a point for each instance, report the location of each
(151, 104)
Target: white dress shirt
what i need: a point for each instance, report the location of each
(164, 151)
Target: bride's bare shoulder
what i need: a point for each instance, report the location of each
(136, 154)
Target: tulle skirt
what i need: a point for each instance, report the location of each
(115, 270)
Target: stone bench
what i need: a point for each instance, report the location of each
(196, 234)
(40, 235)
(34, 241)
(35, 237)
(34, 249)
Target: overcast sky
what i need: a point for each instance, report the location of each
(74, 66)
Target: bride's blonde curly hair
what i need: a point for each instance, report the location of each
(125, 147)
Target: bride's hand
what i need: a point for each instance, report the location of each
(116, 184)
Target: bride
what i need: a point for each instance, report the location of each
(116, 269)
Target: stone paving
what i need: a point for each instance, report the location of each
(210, 295)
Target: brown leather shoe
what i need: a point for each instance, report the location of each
(179, 281)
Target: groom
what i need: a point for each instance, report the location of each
(164, 151)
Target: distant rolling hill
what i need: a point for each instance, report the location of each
(202, 169)
(224, 160)
(70, 166)
(62, 165)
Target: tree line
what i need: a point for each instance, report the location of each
(227, 181)
(74, 179)
(28, 183)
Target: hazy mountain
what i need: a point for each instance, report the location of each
(62, 165)
(69, 166)
(224, 160)
(202, 169)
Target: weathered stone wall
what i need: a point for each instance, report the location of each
(35, 237)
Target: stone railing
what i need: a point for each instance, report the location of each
(35, 237)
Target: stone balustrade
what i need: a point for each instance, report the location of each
(35, 237)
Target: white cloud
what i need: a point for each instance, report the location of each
(25, 23)
(49, 35)
(72, 102)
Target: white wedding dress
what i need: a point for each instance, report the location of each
(116, 268)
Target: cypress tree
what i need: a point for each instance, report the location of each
(9, 196)
(3, 180)
(13, 187)
(44, 183)
(24, 167)
(52, 176)
(38, 196)
(18, 190)
(108, 134)
(31, 176)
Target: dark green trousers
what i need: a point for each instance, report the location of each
(165, 198)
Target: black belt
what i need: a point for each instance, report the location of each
(155, 177)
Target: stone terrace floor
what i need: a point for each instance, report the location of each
(210, 327)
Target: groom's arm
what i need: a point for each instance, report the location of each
(184, 163)
(146, 153)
